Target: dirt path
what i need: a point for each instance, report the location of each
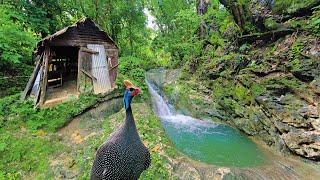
(75, 137)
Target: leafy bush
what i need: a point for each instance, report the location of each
(16, 42)
(14, 113)
(181, 42)
(133, 69)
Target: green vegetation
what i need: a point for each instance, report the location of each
(15, 113)
(16, 42)
(25, 134)
(25, 152)
(289, 6)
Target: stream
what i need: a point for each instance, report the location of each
(206, 141)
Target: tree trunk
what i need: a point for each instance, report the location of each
(202, 8)
(237, 10)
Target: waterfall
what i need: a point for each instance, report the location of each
(159, 104)
(205, 141)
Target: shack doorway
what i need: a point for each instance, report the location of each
(62, 75)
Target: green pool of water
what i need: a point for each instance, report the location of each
(205, 141)
(212, 143)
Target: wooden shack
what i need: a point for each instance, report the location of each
(80, 58)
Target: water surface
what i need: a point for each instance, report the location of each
(206, 141)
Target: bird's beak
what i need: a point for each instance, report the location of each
(136, 91)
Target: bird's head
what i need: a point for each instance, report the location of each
(130, 92)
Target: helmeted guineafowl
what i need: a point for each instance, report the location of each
(123, 155)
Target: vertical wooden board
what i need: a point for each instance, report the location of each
(37, 89)
(85, 83)
(79, 72)
(44, 78)
(112, 55)
(36, 85)
(100, 69)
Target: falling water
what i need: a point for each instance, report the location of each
(205, 141)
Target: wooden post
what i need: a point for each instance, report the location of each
(44, 79)
(32, 78)
(79, 67)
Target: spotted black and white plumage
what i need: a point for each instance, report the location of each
(123, 155)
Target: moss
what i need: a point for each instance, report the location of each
(282, 85)
(295, 65)
(217, 90)
(289, 6)
(257, 89)
(314, 23)
(271, 24)
(242, 94)
(296, 49)
(168, 89)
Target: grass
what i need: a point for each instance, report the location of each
(28, 139)
(25, 134)
(23, 153)
(14, 113)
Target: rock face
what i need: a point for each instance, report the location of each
(271, 93)
(304, 143)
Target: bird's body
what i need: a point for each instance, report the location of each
(123, 155)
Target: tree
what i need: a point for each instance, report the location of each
(42, 16)
(16, 41)
(123, 20)
(238, 10)
(202, 8)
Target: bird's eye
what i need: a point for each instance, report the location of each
(131, 89)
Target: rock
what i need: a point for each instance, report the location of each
(282, 127)
(315, 123)
(187, 172)
(220, 173)
(309, 111)
(308, 70)
(281, 145)
(304, 143)
(315, 86)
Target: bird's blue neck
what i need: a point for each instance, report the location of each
(129, 124)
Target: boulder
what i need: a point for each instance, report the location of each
(303, 143)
